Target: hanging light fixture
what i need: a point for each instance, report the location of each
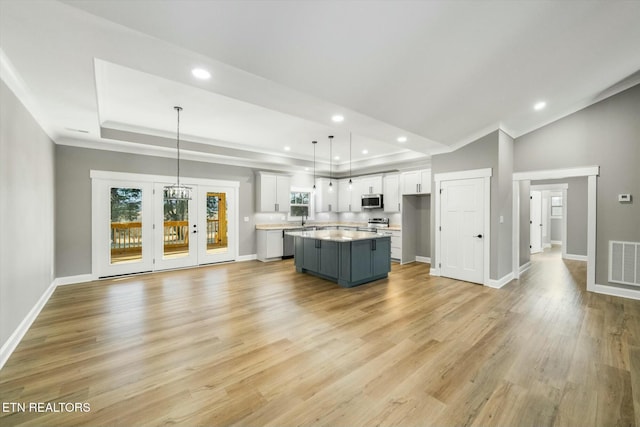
(350, 181)
(314, 164)
(177, 191)
(330, 162)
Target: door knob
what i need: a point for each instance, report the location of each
(479, 236)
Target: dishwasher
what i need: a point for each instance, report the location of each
(288, 243)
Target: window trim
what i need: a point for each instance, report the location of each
(311, 203)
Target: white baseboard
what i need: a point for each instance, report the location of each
(242, 258)
(497, 284)
(616, 291)
(575, 257)
(71, 280)
(556, 242)
(525, 267)
(24, 326)
(546, 245)
(434, 272)
(424, 259)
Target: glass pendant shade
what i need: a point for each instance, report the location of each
(177, 191)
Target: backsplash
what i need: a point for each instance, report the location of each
(323, 217)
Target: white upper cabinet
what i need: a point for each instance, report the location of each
(349, 200)
(326, 196)
(416, 182)
(391, 192)
(273, 192)
(371, 184)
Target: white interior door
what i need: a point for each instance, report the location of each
(122, 227)
(536, 222)
(175, 230)
(462, 221)
(217, 239)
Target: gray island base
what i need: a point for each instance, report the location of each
(350, 258)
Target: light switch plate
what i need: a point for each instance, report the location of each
(624, 197)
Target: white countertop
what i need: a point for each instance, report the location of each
(338, 235)
(290, 226)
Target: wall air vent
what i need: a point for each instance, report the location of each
(624, 262)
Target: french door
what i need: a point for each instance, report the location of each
(462, 217)
(175, 230)
(135, 229)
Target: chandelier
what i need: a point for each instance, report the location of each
(177, 191)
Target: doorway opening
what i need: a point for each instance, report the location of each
(521, 182)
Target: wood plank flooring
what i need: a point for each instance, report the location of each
(257, 344)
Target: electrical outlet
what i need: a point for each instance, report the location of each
(246, 219)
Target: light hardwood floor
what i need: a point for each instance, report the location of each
(255, 344)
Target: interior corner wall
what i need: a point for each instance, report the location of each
(605, 134)
(502, 206)
(480, 154)
(73, 193)
(26, 212)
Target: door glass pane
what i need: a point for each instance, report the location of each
(176, 228)
(126, 225)
(216, 223)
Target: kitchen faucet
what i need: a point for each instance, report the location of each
(303, 219)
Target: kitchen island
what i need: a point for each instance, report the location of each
(350, 258)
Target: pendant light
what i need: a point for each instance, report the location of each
(330, 162)
(350, 181)
(314, 164)
(177, 191)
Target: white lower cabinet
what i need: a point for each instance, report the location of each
(396, 245)
(269, 245)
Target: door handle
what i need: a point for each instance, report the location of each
(479, 236)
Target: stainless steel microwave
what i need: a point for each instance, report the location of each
(372, 201)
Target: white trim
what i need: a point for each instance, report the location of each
(563, 226)
(591, 172)
(484, 174)
(487, 227)
(469, 174)
(434, 272)
(497, 284)
(591, 232)
(423, 259)
(141, 177)
(14, 339)
(556, 242)
(574, 257)
(515, 229)
(550, 187)
(557, 173)
(546, 245)
(243, 258)
(72, 280)
(524, 267)
(616, 291)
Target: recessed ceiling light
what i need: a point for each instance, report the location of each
(402, 139)
(365, 151)
(201, 73)
(306, 169)
(287, 148)
(337, 157)
(539, 105)
(337, 118)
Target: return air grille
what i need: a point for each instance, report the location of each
(624, 262)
